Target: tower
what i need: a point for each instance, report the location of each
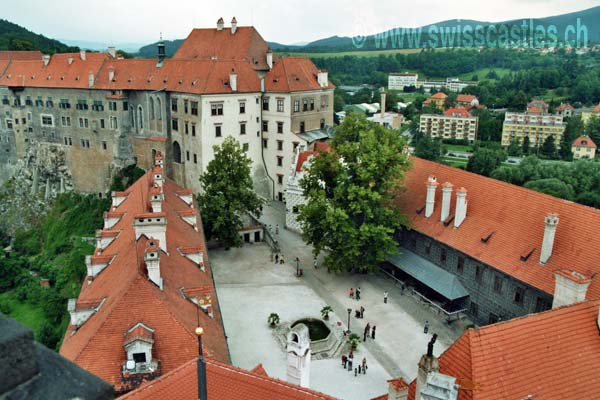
(298, 356)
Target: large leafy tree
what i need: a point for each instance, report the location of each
(350, 192)
(485, 161)
(227, 193)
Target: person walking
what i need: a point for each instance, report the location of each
(373, 332)
(385, 297)
(364, 365)
(281, 260)
(276, 258)
(366, 332)
(351, 293)
(358, 293)
(350, 360)
(315, 262)
(426, 327)
(344, 361)
(277, 229)
(362, 312)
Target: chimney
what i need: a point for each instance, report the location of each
(111, 74)
(397, 389)
(91, 79)
(152, 225)
(270, 58)
(220, 24)
(158, 159)
(233, 80)
(427, 365)
(70, 60)
(233, 25)
(383, 96)
(156, 198)
(160, 55)
(322, 79)
(82, 55)
(157, 176)
(570, 287)
(461, 206)
(446, 197)
(46, 59)
(112, 52)
(551, 222)
(201, 367)
(430, 201)
(152, 259)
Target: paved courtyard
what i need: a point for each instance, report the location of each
(250, 287)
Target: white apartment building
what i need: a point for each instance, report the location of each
(398, 81)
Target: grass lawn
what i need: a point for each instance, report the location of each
(24, 312)
(459, 147)
(455, 162)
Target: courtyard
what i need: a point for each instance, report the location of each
(250, 287)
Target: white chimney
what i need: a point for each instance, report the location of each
(461, 206)
(111, 74)
(427, 366)
(322, 79)
(397, 389)
(233, 80)
(46, 59)
(158, 159)
(220, 24)
(91, 79)
(112, 52)
(570, 287)
(70, 60)
(157, 175)
(383, 97)
(446, 197)
(430, 201)
(551, 222)
(270, 58)
(233, 25)
(156, 198)
(82, 55)
(152, 225)
(152, 259)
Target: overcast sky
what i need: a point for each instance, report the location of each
(283, 21)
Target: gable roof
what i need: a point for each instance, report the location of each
(209, 43)
(584, 141)
(131, 298)
(465, 98)
(565, 106)
(293, 74)
(551, 355)
(439, 95)
(456, 112)
(224, 382)
(515, 216)
(20, 55)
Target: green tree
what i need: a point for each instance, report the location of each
(549, 148)
(573, 130)
(428, 148)
(526, 145)
(552, 186)
(514, 149)
(350, 192)
(592, 128)
(485, 161)
(227, 193)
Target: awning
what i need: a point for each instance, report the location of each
(429, 274)
(317, 134)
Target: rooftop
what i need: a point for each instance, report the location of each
(584, 141)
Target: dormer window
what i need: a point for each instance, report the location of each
(138, 344)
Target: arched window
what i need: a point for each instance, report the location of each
(176, 152)
(151, 108)
(140, 117)
(158, 109)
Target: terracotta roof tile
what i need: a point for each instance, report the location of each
(20, 55)
(465, 98)
(293, 74)
(439, 95)
(457, 112)
(584, 141)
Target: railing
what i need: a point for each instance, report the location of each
(142, 368)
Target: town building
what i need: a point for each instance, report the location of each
(565, 110)
(536, 126)
(387, 119)
(148, 284)
(583, 147)
(586, 115)
(455, 123)
(452, 84)
(467, 100)
(398, 81)
(106, 113)
(537, 107)
(438, 99)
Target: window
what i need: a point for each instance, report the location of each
(112, 105)
(9, 123)
(242, 128)
(302, 127)
(216, 109)
(295, 144)
(478, 273)
(176, 152)
(265, 143)
(279, 161)
(39, 102)
(141, 117)
(195, 158)
(64, 103)
(174, 105)
(443, 256)
(218, 130)
(413, 243)
(158, 109)
(242, 107)
(280, 179)
(322, 125)
(47, 120)
(175, 124)
(474, 309)
(312, 104)
(114, 124)
(460, 263)
(265, 126)
(245, 147)
(265, 105)
(427, 248)
(193, 129)
(304, 104)
(98, 106)
(49, 103)
(187, 127)
(139, 357)
(296, 105)
(83, 123)
(81, 105)
(279, 127)
(497, 284)
(85, 143)
(5, 100)
(65, 121)
(194, 106)
(125, 106)
(104, 145)
(28, 101)
(280, 145)
(541, 304)
(102, 125)
(324, 102)
(187, 156)
(185, 106)
(493, 318)
(518, 296)
(279, 105)
(151, 108)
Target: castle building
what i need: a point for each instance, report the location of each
(107, 112)
(535, 125)
(148, 285)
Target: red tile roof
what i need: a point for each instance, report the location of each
(456, 112)
(596, 109)
(465, 98)
(97, 345)
(302, 158)
(225, 382)
(293, 74)
(439, 95)
(584, 141)
(552, 356)
(517, 216)
(20, 55)
(245, 44)
(534, 110)
(565, 106)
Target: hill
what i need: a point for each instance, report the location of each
(15, 37)
(150, 50)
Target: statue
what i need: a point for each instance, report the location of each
(430, 345)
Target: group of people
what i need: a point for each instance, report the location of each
(279, 259)
(348, 361)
